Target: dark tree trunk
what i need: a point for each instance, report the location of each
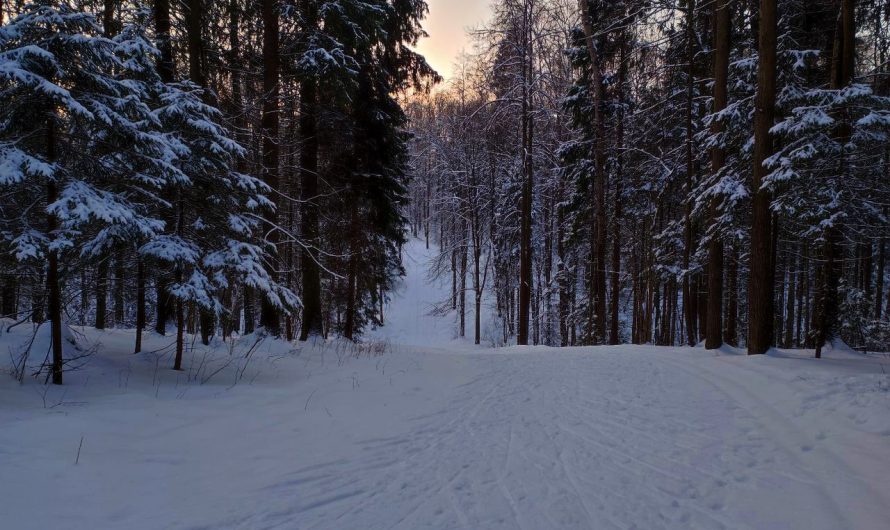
(180, 334)
(101, 293)
(312, 323)
(879, 287)
(690, 298)
(803, 279)
(270, 317)
(167, 73)
(240, 126)
(208, 326)
(732, 303)
(462, 282)
(162, 304)
(453, 279)
(778, 281)
(194, 27)
(760, 289)
(614, 332)
(352, 279)
(841, 76)
(119, 288)
(53, 288)
(477, 284)
(598, 268)
(197, 73)
(790, 299)
(109, 26)
(525, 253)
(140, 303)
(563, 281)
(722, 26)
(249, 311)
(164, 45)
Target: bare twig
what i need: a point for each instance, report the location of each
(79, 447)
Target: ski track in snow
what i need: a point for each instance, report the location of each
(625, 440)
(448, 435)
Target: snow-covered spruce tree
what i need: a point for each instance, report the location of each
(67, 138)
(829, 177)
(352, 59)
(216, 212)
(578, 165)
(93, 145)
(722, 196)
(326, 70)
(377, 188)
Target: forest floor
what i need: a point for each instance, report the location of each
(416, 430)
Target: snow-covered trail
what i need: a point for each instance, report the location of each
(620, 439)
(627, 437)
(437, 433)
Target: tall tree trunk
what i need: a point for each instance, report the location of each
(312, 323)
(167, 73)
(614, 335)
(108, 23)
(562, 279)
(101, 293)
(781, 265)
(803, 279)
(349, 327)
(598, 268)
(478, 286)
(194, 27)
(879, 287)
(841, 76)
(760, 288)
(525, 253)
(140, 303)
(207, 325)
(119, 288)
(791, 295)
(270, 317)
(249, 311)
(722, 25)
(197, 74)
(53, 288)
(180, 334)
(690, 298)
(732, 300)
(239, 111)
(462, 296)
(165, 46)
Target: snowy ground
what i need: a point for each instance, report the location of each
(447, 436)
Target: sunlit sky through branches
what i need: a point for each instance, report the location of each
(447, 24)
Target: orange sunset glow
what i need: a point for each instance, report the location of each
(447, 24)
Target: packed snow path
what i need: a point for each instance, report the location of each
(448, 436)
(604, 438)
(608, 440)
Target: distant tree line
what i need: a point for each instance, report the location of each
(666, 171)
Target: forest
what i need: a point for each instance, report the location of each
(273, 264)
(597, 172)
(665, 172)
